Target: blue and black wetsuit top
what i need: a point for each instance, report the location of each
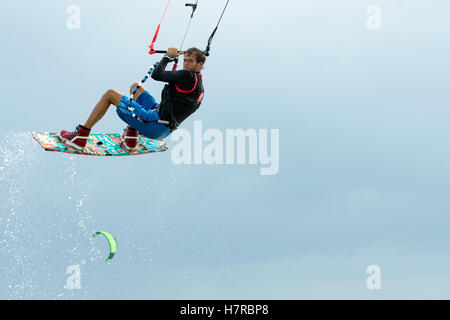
(181, 97)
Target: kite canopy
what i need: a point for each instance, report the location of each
(111, 241)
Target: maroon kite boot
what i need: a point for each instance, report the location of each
(76, 139)
(130, 137)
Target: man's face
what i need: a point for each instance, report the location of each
(191, 64)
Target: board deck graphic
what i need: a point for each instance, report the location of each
(99, 144)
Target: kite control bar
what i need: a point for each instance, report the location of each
(164, 51)
(155, 37)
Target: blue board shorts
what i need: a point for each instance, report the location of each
(151, 130)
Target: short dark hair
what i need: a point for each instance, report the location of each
(197, 53)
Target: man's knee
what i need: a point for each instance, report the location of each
(108, 94)
(138, 92)
(113, 96)
(134, 85)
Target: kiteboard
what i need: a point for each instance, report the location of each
(99, 144)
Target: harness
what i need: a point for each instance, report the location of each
(188, 91)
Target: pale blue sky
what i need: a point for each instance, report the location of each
(364, 158)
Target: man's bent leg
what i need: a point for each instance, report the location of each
(138, 92)
(110, 97)
(79, 137)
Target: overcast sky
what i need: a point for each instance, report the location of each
(364, 162)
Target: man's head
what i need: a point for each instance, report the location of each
(193, 60)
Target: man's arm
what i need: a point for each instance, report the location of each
(160, 73)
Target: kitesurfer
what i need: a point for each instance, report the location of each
(181, 96)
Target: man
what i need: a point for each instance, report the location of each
(181, 96)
